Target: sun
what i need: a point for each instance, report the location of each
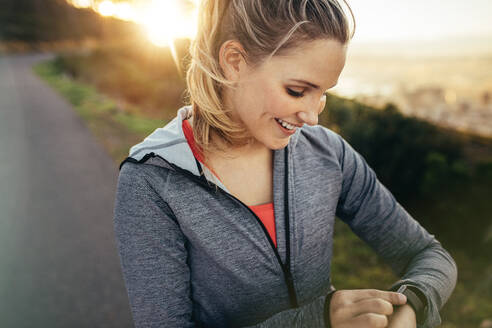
(165, 21)
(162, 20)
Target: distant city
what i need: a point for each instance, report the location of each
(449, 90)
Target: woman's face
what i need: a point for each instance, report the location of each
(275, 91)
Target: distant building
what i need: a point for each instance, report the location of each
(486, 98)
(464, 106)
(426, 97)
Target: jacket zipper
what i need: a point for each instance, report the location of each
(210, 185)
(285, 267)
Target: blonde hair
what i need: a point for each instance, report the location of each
(264, 28)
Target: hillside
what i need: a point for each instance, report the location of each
(35, 21)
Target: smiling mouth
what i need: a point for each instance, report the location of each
(286, 125)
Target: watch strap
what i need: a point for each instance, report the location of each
(418, 303)
(326, 310)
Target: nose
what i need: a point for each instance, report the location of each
(310, 115)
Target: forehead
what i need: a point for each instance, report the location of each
(319, 62)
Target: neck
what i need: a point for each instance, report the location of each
(252, 152)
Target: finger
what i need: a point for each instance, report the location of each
(367, 320)
(369, 305)
(392, 297)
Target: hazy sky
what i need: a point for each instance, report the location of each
(377, 20)
(399, 20)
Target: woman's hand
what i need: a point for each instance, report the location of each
(364, 308)
(403, 317)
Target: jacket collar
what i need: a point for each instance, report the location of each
(169, 143)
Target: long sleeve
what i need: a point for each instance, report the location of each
(309, 315)
(376, 217)
(152, 254)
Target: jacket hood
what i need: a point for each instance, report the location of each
(170, 144)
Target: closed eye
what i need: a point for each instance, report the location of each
(294, 94)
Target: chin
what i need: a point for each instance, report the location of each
(279, 144)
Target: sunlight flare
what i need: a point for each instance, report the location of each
(162, 21)
(81, 3)
(106, 8)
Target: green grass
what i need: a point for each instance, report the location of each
(145, 78)
(117, 128)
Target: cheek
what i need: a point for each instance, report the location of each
(276, 103)
(253, 100)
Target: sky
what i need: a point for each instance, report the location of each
(390, 21)
(422, 20)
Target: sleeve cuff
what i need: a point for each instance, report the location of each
(422, 315)
(327, 306)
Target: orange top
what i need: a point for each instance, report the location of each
(264, 211)
(266, 214)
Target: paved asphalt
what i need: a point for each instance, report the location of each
(58, 261)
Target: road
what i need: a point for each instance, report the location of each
(58, 261)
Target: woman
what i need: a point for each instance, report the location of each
(224, 217)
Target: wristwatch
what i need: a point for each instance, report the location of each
(416, 299)
(327, 306)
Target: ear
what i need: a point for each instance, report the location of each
(231, 60)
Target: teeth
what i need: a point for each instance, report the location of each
(285, 124)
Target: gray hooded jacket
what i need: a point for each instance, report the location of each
(193, 255)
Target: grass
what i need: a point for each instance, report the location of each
(116, 125)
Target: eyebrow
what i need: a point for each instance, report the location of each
(311, 84)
